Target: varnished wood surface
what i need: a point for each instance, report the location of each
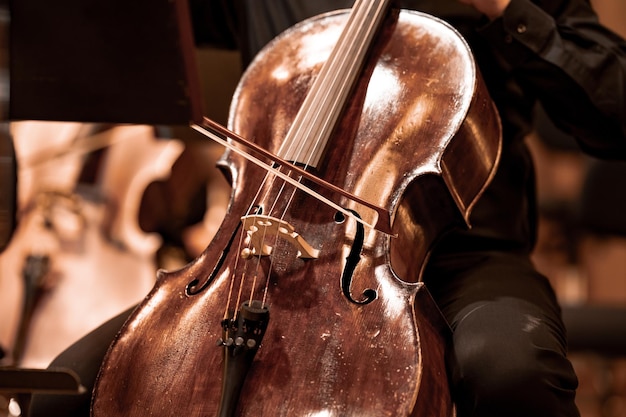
(323, 355)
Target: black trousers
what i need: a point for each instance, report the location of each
(509, 343)
(509, 340)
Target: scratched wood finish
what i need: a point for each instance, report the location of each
(421, 138)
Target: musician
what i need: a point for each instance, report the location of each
(509, 342)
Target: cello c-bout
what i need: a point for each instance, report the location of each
(296, 309)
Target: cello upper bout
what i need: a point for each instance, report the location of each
(419, 131)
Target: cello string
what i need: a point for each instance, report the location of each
(324, 102)
(258, 262)
(233, 276)
(328, 92)
(332, 80)
(319, 112)
(333, 83)
(276, 242)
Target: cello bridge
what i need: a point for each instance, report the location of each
(261, 229)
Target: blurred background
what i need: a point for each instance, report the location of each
(102, 207)
(582, 249)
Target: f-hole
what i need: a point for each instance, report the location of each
(192, 287)
(352, 260)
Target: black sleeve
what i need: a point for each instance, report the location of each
(575, 66)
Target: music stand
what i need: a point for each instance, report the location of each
(97, 61)
(103, 61)
(49, 381)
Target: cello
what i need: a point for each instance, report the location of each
(308, 301)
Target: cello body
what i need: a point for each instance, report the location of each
(351, 330)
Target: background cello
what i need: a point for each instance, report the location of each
(68, 268)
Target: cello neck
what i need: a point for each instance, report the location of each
(308, 135)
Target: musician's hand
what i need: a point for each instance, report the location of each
(491, 8)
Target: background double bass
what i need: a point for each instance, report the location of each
(346, 327)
